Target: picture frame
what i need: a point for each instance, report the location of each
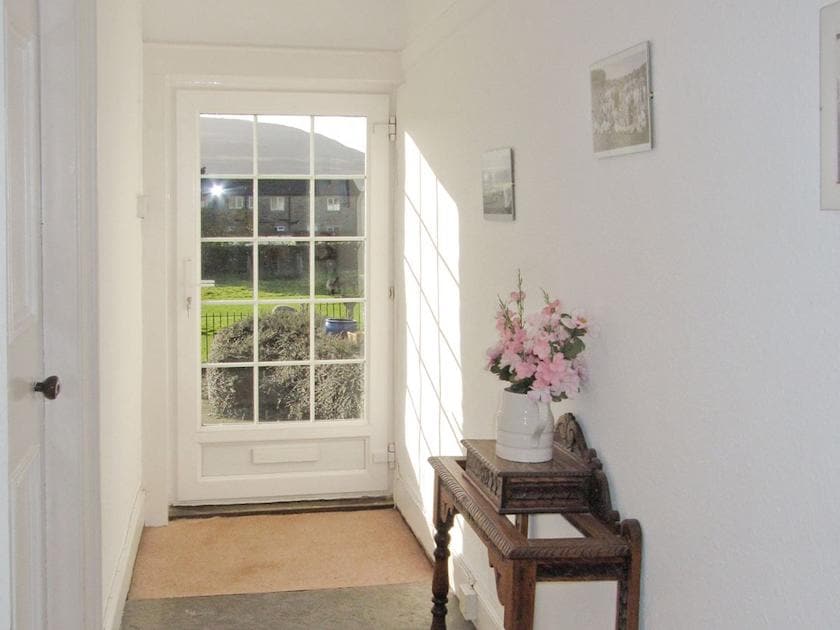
(497, 184)
(830, 107)
(621, 102)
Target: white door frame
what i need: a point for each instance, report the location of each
(166, 75)
(74, 581)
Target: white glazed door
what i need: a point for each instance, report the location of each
(284, 318)
(25, 351)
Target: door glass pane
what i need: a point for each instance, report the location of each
(340, 145)
(339, 269)
(226, 271)
(227, 144)
(339, 392)
(227, 395)
(227, 207)
(283, 144)
(284, 270)
(227, 333)
(340, 207)
(284, 332)
(284, 207)
(339, 332)
(310, 189)
(284, 393)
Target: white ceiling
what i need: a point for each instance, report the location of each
(342, 24)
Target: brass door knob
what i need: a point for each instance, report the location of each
(50, 387)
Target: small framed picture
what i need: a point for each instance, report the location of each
(830, 107)
(621, 111)
(497, 184)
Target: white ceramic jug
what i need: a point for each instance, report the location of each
(524, 429)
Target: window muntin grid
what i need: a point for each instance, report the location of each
(277, 214)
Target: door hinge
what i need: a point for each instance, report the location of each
(392, 128)
(391, 293)
(392, 455)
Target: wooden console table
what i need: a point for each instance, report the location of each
(484, 488)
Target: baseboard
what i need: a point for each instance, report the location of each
(487, 617)
(121, 581)
(411, 508)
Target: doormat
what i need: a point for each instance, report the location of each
(271, 553)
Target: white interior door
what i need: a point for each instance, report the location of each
(25, 314)
(284, 336)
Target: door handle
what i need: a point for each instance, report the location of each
(50, 387)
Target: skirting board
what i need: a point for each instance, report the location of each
(407, 502)
(121, 581)
(487, 618)
(411, 509)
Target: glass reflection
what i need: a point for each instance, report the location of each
(339, 269)
(283, 207)
(283, 145)
(340, 207)
(284, 270)
(284, 332)
(227, 143)
(340, 145)
(227, 395)
(226, 271)
(284, 393)
(227, 207)
(339, 392)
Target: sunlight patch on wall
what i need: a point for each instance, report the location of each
(433, 416)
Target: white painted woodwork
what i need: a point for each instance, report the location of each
(49, 484)
(217, 463)
(70, 285)
(222, 459)
(169, 69)
(25, 348)
(285, 454)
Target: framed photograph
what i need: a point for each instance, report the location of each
(497, 184)
(830, 107)
(621, 111)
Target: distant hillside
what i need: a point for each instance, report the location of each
(229, 142)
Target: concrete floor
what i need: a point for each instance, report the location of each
(392, 607)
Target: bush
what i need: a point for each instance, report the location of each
(284, 390)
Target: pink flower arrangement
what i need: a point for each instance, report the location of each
(539, 354)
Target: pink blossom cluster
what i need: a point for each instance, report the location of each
(539, 354)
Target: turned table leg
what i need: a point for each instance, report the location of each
(444, 517)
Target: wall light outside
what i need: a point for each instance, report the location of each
(217, 190)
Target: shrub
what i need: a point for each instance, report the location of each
(284, 390)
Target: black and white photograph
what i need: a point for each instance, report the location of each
(830, 107)
(621, 113)
(497, 184)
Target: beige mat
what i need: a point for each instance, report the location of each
(265, 554)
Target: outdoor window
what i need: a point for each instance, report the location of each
(283, 294)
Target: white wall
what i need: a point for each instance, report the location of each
(707, 264)
(120, 284)
(337, 24)
(168, 69)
